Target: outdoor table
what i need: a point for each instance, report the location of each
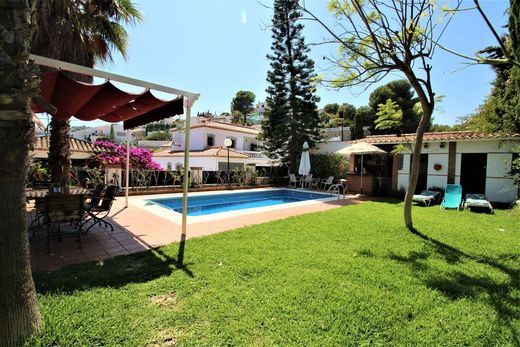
(34, 194)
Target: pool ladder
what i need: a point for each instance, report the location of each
(338, 189)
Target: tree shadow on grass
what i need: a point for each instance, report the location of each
(501, 295)
(114, 272)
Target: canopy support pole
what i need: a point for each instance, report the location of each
(185, 179)
(127, 171)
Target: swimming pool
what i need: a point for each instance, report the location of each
(202, 205)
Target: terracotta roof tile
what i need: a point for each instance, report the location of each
(42, 144)
(220, 152)
(432, 137)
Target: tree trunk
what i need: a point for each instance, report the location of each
(59, 152)
(20, 317)
(416, 161)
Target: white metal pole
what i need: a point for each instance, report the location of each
(186, 166)
(127, 172)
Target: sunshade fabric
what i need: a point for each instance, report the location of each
(360, 148)
(104, 101)
(305, 160)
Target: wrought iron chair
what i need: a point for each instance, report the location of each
(98, 213)
(60, 210)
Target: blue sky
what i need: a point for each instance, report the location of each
(218, 47)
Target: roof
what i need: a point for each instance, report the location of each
(225, 126)
(219, 152)
(79, 149)
(444, 136)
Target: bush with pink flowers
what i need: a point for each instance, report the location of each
(115, 155)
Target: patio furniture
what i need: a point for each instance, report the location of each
(314, 183)
(307, 180)
(94, 198)
(477, 201)
(326, 182)
(63, 210)
(427, 197)
(452, 196)
(98, 213)
(293, 180)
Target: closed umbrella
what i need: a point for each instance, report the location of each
(361, 148)
(305, 161)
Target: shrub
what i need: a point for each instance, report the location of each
(325, 165)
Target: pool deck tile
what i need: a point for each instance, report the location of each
(136, 230)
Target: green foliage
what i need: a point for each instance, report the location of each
(347, 276)
(389, 117)
(335, 115)
(325, 165)
(243, 104)
(158, 126)
(436, 128)
(161, 135)
(364, 115)
(37, 173)
(400, 92)
(291, 116)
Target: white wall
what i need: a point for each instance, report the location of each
(207, 163)
(437, 178)
(198, 139)
(499, 186)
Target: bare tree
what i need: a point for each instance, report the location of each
(377, 37)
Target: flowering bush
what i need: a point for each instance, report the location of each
(140, 158)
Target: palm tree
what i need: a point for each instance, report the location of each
(18, 84)
(81, 32)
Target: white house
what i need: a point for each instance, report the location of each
(207, 149)
(480, 162)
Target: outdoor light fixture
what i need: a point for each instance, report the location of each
(227, 144)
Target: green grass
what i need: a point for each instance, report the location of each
(349, 276)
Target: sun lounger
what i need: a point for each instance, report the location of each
(427, 197)
(452, 196)
(477, 201)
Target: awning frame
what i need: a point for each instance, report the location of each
(189, 100)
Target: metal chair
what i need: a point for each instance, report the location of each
(98, 213)
(61, 209)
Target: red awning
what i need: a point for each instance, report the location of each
(104, 101)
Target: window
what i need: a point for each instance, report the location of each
(169, 166)
(254, 147)
(401, 161)
(211, 140)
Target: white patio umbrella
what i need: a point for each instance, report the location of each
(305, 161)
(361, 148)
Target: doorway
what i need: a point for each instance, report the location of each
(422, 179)
(473, 173)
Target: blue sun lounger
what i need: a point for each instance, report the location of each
(452, 196)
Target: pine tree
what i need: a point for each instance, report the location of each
(292, 115)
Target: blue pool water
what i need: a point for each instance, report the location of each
(202, 205)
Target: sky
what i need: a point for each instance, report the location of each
(218, 47)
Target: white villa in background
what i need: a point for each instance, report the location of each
(207, 150)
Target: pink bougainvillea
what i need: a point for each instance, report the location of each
(140, 158)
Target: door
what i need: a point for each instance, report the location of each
(473, 173)
(422, 180)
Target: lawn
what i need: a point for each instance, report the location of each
(349, 276)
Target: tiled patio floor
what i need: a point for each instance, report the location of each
(137, 230)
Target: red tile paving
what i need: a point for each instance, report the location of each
(137, 230)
